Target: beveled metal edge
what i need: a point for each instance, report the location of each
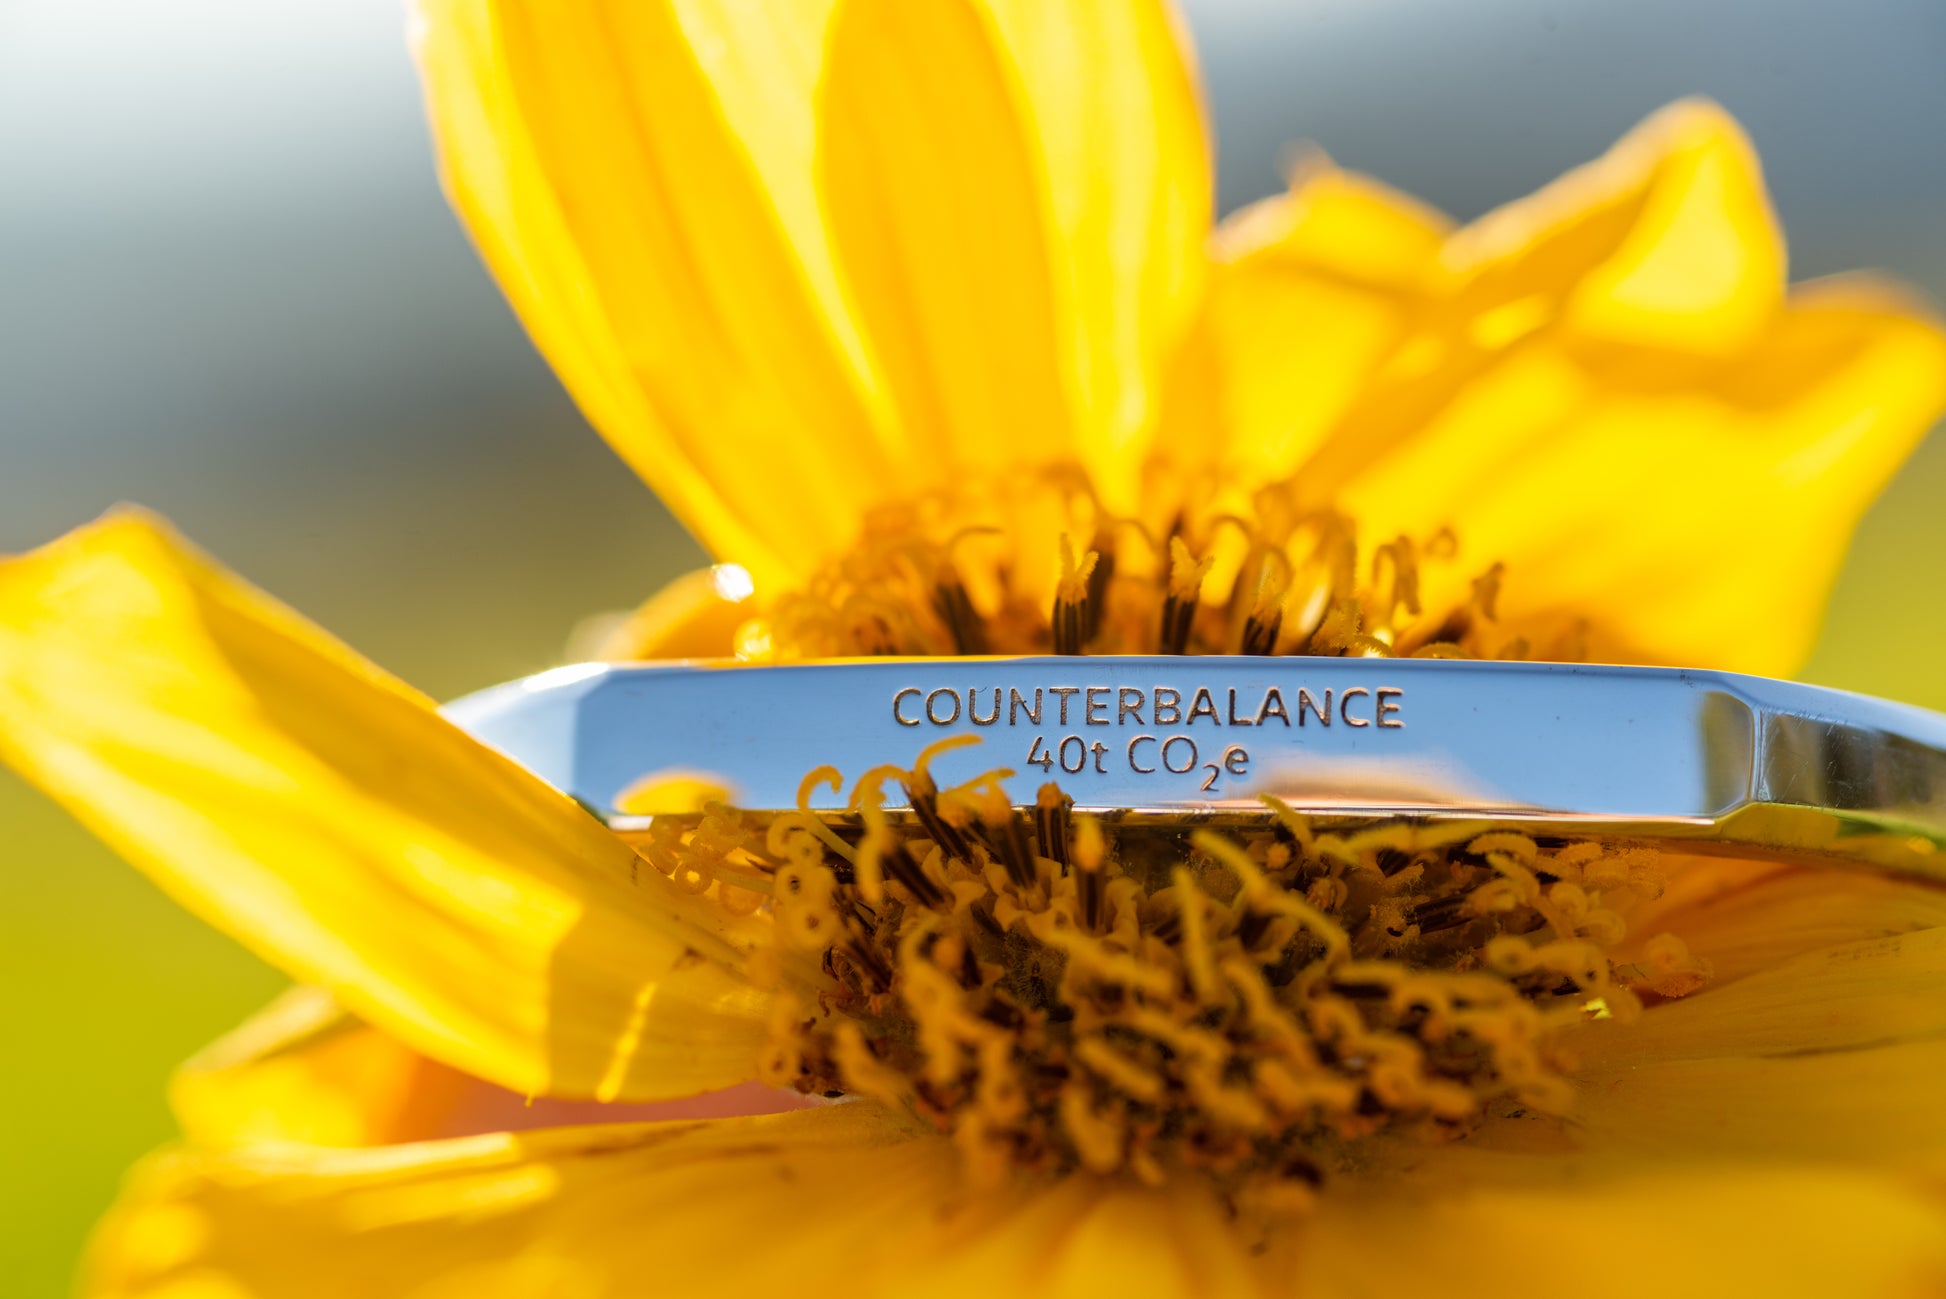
(1711, 760)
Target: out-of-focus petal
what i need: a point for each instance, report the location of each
(695, 616)
(1115, 121)
(1666, 241)
(732, 1208)
(1833, 1056)
(1693, 513)
(1782, 1231)
(639, 177)
(305, 1070)
(1310, 294)
(929, 177)
(1019, 195)
(302, 1070)
(1744, 917)
(324, 814)
(1014, 199)
(1603, 386)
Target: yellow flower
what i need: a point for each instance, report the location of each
(852, 283)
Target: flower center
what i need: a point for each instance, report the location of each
(1145, 997)
(1032, 563)
(1056, 992)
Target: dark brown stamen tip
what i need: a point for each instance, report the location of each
(1177, 615)
(1051, 821)
(1439, 912)
(900, 865)
(1088, 892)
(1260, 634)
(1251, 926)
(868, 962)
(1072, 620)
(1008, 835)
(1098, 579)
(955, 608)
(924, 797)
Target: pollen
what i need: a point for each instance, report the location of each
(1151, 1000)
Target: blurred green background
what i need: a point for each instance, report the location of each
(229, 289)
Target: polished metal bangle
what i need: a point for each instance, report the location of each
(1721, 761)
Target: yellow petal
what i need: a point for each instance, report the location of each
(1839, 998)
(1677, 204)
(1602, 386)
(639, 177)
(305, 1070)
(1667, 241)
(1696, 519)
(1873, 1106)
(1748, 917)
(324, 814)
(1019, 192)
(1778, 1231)
(928, 174)
(1020, 213)
(1311, 293)
(1694, 512)
(831, 1200)
(1833, 1054)
(1115, 119)
(695, 616)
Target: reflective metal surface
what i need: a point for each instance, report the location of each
(1711, 757)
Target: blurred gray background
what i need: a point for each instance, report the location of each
(230, 290)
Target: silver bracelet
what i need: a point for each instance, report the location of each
(1716, 759)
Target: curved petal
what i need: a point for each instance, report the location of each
(644, 180)
(324, 814)
(1695, 520)
(696, 616)
(304, 1070)
(638, 176)
(1115, 117)
(1605, 388)
(1019, 194)
(1666, 241)
(1310, 295)
(1834, 1054)
(1749, 917)
(827, 1199)
(926, 171)
(1780, 1231)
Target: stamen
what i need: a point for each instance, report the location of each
(1008, 835)
(915, 583)
(1051, 809)
(1244, 1007)
(1090, 851)
(1100, 573)
(955, 609)
(1186, 575)
(1075, 615)
(1141, 1000)
(923, 795)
